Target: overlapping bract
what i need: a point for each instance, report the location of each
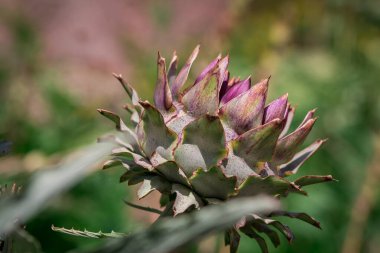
(213, 140)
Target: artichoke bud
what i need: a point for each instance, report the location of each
(214, 140)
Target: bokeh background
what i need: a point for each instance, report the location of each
(56, 60)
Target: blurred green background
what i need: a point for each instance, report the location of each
(56, 60)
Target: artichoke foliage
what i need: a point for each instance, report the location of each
(216, 139)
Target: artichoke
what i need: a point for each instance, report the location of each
(211, 141)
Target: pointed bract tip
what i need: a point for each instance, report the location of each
(276, 121)
(195, 52)
(128, 107)
(262, 86)
(160, 58)
(308, 124)
(174, 57)
(145, 104)
(117, 76)
(225, 58)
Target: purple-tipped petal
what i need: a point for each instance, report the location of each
(288, 146)
(223, 72)
(172, 69)
(224, 85)
(276, 109)
(183, 73)
(289, 118)
(245, 111)
(228, 84)
(208, 68)
(162, 95)
(236, 90)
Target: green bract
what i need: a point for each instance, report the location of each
(211, 141)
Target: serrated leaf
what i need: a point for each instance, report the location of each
(88, 234)
(185, 198)
(189, 227)
(48, 184)
(213, 183)
(301, 216)
(272, 185)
